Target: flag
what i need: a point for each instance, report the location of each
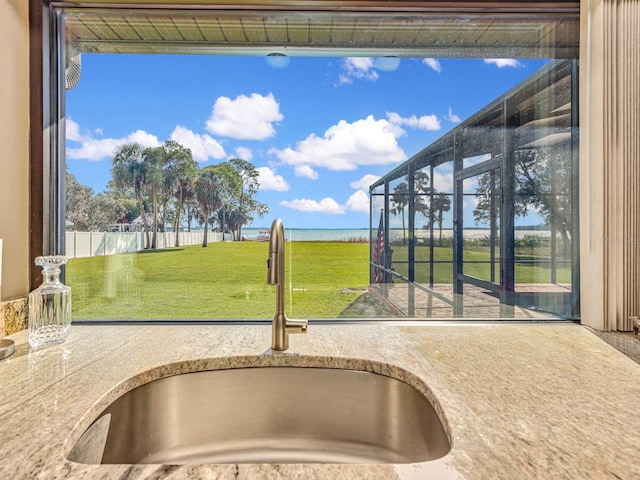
(379, 256)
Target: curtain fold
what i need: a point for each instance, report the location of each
(610, 163)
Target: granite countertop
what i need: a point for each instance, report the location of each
(521, 401)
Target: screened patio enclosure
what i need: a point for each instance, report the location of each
(483, 223)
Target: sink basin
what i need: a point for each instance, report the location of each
(272, 414)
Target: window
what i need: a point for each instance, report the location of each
(243, 58)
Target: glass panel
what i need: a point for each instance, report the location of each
(481, 243)
(398, 220)
(344, 104)
(544, 212)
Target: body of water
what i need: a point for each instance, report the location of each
(313, 234)
(362, 234)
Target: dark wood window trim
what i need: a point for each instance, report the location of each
(36, 181)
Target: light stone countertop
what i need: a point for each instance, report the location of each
(521, 401)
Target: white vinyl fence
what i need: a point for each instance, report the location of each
(95, 244)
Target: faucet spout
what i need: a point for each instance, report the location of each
(282, 326)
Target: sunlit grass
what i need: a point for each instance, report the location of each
(228, 280)
(224, 280)
(529, 269)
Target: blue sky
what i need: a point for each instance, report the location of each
(319, 129)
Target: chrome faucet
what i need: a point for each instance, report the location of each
(282, 326)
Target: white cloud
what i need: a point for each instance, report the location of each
(346, 146)
(306, 171)
(443, 182)
(365, 182)
(143, 138)
(249, 118)
(359, 68)
(358, 202)
(93, 150)
(503, 62)
(270, 181)
(244, 153)
(387, 64)
(96, 149)
(452, 117)
(327, 205)
(202, 147)
(72, 131)
(470, 184)
(433, 64)
(425, 122)
(362, 64)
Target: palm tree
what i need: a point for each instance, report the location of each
(183, 194)
(206, 188)
(400, 200)
(129, 170)
(237, 216)
(189, 201)
(168, 168)
(441, 204)
(400, 197)
(181, 171)
(154, 159)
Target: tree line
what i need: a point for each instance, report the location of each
(164, 186)
(543, 185)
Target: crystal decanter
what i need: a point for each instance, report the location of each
(49, 304)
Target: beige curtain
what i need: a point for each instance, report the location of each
(610, 162)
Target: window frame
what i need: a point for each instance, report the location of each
(47, 106)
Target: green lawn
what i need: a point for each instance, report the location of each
(224, 280)
(528, 268)
(228, 280)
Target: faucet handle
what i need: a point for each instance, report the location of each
(297, 326)
(273, 278)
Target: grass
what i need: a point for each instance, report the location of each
(228, 280)
(528, 269)
(224, 280)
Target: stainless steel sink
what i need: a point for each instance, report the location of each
(267, 415)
